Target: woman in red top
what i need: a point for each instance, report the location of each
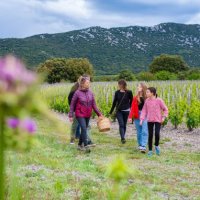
(135, 112)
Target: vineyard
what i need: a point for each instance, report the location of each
(54, 169)
(181, 97)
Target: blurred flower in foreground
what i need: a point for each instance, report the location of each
(28, 125)
(19, 103)
(13, 75)
(13, 122)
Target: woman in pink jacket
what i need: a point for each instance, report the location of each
(82, 104)
(155, 111)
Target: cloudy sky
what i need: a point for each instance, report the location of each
(21, 18)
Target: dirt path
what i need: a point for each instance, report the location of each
(177, 139)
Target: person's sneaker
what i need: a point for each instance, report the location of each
(123, 141)
(72, 141)
(80, 148)
(91, 144)
(157, 148)
(143, 150)
(150, 153)
(87, 149)
(139, 147)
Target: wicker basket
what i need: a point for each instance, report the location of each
(104, 124)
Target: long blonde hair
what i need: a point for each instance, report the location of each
(144, 89)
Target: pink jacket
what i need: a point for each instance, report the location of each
(154, 110)
(83, 103)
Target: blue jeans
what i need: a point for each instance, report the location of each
(89, 133)
(78, 131)
(83, 122)
(142, 132)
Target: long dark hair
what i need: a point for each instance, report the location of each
(75, 87)
(153, 91)
(123, 83)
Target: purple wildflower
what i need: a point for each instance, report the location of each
(13, 122)
(29, 125)
(12, 72)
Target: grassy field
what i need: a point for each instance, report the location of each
(53, 169)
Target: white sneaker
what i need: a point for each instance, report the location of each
(143, 150)
(140, 148)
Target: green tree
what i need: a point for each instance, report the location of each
(77, 67)
(58, 69)
(127, 75)
(165, 75)
(146, 76)
(193, 74)
(171, 63)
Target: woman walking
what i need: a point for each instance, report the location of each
(155, 111)
(83, 102)
(135, 113)
(122, 102)
(75, 127)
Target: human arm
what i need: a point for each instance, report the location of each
(94, 106)
(73, 104)
(70, 96)
(114, 103)
(164, 109)
(143, 113)
(131, 97)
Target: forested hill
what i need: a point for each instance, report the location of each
(111, 50)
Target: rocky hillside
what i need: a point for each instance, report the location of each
(111, 50)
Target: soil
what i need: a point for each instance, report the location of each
(175, 139)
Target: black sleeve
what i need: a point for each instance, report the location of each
(131, 97)
(70, 96)
(114, 103)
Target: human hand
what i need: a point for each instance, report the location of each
(141, 122)
(100, 117)
(163, 119)
(71, 119)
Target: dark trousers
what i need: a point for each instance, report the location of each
(83, 122)
(157, 133)
(78, 132)
(122, 117)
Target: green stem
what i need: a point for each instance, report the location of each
(1, 155)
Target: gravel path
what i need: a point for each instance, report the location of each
(177, 139)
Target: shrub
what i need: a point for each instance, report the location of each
(58, 69)
(165, 75)
(193, 115)
(171, 63)
(145, 76)
(127, 75)
(176, 112)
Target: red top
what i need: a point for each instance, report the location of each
(134, 112)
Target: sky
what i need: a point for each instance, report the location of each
(22, 18)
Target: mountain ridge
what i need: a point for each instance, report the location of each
(111, 49)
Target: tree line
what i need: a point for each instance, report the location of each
(163, 67)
